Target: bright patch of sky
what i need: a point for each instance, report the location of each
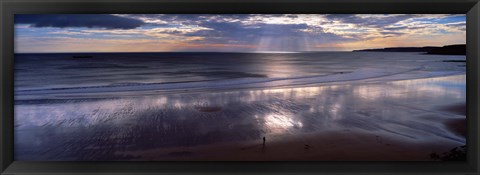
(233, 32)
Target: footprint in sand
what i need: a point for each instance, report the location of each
(379, 139)
(208, 108)
(249, 147)
(180, 153)
(307, 147)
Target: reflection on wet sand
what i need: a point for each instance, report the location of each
(107, 129)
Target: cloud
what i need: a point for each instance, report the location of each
(79, 20)
(396, 28)
(369, 20)
(245, 32)
(391, 34)
(249, 28)
(68, 33)
(71, 44)
(462, 26)
(290, 37)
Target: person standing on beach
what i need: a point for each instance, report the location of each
(263, 141)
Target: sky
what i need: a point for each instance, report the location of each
(57, 33)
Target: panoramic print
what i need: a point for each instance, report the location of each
(240, 87)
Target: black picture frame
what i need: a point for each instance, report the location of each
(10, 7)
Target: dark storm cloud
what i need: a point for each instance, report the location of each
(227, 28)
(79, 20)
(370, 21)
(459, 25)
(392, 33)
(224, 31)
(233, 29)
(395, 28)
(190, 19)
(349, 18)
(292, 16)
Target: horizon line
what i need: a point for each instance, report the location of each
(240, 51)
(186, 52)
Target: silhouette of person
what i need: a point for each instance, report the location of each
(263, 141)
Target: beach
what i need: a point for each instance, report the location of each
(344, 134)
(347, 145)
(309, 107)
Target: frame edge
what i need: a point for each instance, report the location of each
(6, 91)
(473, 45)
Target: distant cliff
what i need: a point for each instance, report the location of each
(459, 49)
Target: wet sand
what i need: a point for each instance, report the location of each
(457, 126)
(347, 145)
(396, 120)
(460, 109)
(344, 145)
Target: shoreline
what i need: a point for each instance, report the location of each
(367, 81)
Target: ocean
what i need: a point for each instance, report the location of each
(43, 74)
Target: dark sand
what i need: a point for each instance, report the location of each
(460, 109)
(347, 145)
(457, 125)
